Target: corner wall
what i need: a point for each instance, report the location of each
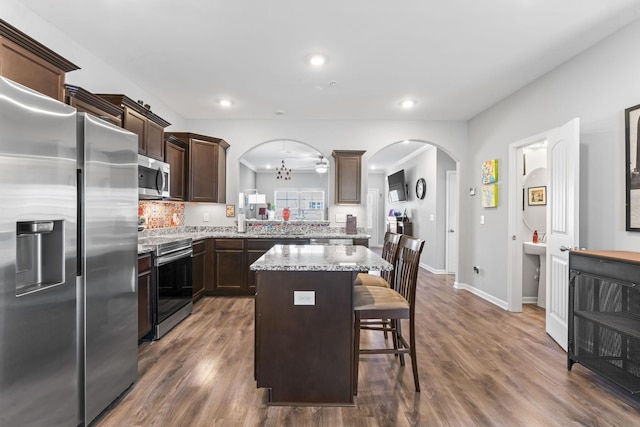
(595, 86)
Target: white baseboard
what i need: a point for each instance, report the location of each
(432, 270)
(530, 300)
(482, 294)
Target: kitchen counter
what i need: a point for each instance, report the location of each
(320, 258)
(273, 230)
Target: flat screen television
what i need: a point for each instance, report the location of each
(397, 187)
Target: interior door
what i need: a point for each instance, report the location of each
(452, 215)
(563, 161)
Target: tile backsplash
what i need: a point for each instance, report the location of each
(161, 214)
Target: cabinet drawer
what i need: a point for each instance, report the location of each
(229, 243)
(611, 269)
(144, 263)
(199, 247)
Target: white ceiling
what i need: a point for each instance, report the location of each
(455, 57)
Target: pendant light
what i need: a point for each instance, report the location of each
(322, 166)
(282, 172)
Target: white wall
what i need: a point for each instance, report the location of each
(595, 86)
(428, 216)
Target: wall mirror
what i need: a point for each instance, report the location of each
(534, 209)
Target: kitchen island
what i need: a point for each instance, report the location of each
(304, 321)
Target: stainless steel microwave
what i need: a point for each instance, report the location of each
(153, 178)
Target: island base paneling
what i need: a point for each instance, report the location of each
(304, 353)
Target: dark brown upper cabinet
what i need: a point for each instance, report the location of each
(175, 154)
(26, 61)
(141, 121)
(348, 176)
(206, 174)
(87, 102)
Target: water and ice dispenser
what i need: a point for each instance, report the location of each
(39, 255)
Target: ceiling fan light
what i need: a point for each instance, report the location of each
(322, 166)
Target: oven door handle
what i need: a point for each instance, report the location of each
(166, 259)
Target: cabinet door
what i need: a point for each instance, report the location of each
(348, 176)
(155, 140)
(144, 295)
(203, 182)
(28, 69)
(230, 267)
(175, 156)
(221, 175)
(199, 266)
(136, 123)
(229, 271)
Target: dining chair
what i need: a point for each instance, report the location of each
(389, 254)
(394, 303)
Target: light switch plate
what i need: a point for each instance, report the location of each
(304, 298)
(205, 217)
(341, 217)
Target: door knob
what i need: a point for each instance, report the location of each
(564, 248)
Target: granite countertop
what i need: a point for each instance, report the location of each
(147, 240)
(320, 258)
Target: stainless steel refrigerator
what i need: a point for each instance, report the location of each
(68, 261)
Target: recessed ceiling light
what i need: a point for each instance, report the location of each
(318, 60)
(226, 103)
(408, 104)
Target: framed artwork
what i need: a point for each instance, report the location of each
(490, 196)
(490, 171)
(537, 196)
(632, 170)
(231, 211)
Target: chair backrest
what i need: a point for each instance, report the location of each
(390, 253)
(406, 268)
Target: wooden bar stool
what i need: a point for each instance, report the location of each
(396, 303)
(389, 254)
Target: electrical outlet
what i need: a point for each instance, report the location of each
(304, 298)
(481, 219)
(341, 217)
(205, 217)
(432, 217)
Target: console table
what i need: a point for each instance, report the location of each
(604, 315)
(304, 321)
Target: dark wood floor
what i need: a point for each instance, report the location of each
(479, 366)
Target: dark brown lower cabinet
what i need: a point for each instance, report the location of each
(199, 269)
(230, 260)
(144, 295)
(229, 267)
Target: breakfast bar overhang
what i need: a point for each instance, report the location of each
(304, 321)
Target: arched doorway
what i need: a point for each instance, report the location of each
(433, 217)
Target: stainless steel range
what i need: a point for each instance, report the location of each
(172, 299)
